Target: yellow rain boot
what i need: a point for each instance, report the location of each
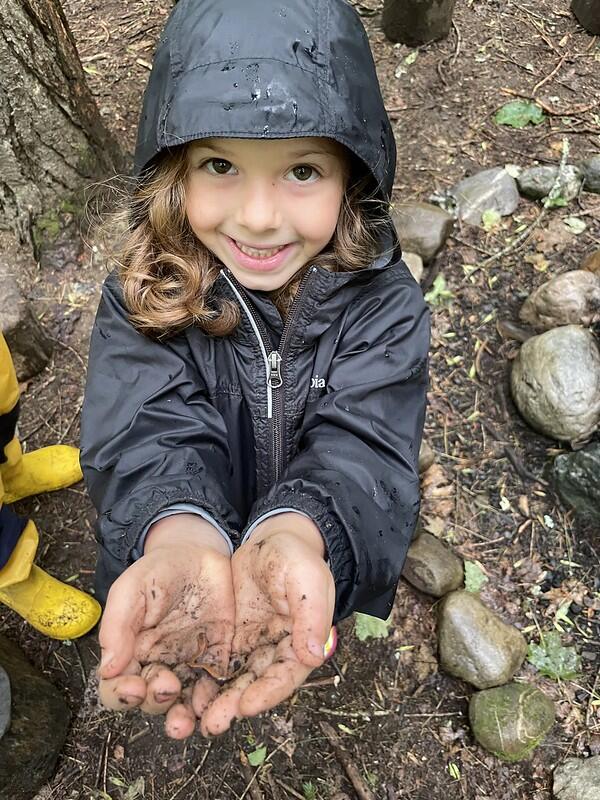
(51, 607)
(43, 470)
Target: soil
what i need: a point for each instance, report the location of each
(403, 723)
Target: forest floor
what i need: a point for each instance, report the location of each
(402, 721)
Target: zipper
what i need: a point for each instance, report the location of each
(279, 425)
(274, 361)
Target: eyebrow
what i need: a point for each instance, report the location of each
(302, 153)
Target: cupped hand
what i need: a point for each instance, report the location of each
(284, 598)
(173, 607)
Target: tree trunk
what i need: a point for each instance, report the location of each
(588, 14)
(416, 22)
(52, 139)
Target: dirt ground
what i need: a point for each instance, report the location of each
(403, 723)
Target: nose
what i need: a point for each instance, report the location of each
(258, 210)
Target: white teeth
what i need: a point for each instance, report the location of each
(250, 251)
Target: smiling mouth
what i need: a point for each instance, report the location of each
(262, 252)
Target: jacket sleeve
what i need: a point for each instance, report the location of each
(356, 470)
(150, 438)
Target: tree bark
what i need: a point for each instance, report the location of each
(416, 22)
(588, 14)
(52, 139)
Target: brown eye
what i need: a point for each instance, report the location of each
(218, 166)
(303, 173)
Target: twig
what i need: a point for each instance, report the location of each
(194, 774)
(554, 112)
(289, 789)
(357, 714)
(253, 789)
(549, 77)
(352, 772)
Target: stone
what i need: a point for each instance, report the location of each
(5, 702)
(422, 228)
(592, 263)
(537, 182)
(510, 721)
(555, 383)
(426, 457)
(414, 262)
(577, 779)
(572, 298)
(30, 347)
(416, 22)
(577, 480)
(432, 567)
(491, 190)
(38, 728)
(590, 168)
(588, 15)
(475, 644)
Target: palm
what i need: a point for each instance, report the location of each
(284, 597)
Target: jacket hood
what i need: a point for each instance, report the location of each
(269, 69)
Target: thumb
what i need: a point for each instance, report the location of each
(121, 622)
(311, 598)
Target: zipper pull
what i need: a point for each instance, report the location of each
(275, 379)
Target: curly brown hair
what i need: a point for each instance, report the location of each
(168, 275)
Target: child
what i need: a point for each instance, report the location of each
(257, 375)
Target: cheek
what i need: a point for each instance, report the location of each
(325, 214)
(202, 215)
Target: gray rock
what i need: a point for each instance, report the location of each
(475, 644)
(29, 345)
(512, 720)
(5, 702)
(555, 382)
(591, 173)
(426, 456)
(577, 779)
(572, 298)
(422, 228)
(432, 567)
(493, 190)
(40, 720)
(577, 480)
(414, 262)
(537, 182)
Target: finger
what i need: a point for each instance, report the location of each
(225, 708)
(205, 691)
(128, 690)
(311, 597)
(181, 720)
(163, 689)
(122, 620)
(278, 682)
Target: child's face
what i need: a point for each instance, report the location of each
(265, 208)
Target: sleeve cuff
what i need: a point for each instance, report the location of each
(179, 508)
(268, 514)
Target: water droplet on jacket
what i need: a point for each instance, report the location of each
(227, 108)
(380, 533)
(255, 95)
(374, 491)
(228, 67)
(386, 353)
(346, 408)
(265, 130)
(356, 510)
(235, 85)
(295, 46)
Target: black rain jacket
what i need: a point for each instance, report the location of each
(333, 428)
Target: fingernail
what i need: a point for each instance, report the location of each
(331, 643)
